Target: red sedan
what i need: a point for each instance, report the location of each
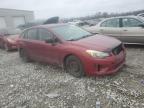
(9, 42)
(78, 51)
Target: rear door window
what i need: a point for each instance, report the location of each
(32, 34)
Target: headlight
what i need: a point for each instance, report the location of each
(98, 54)
(10, 40)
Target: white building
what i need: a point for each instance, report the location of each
(10, 19)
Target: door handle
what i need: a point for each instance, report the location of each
(125, 30)
(101, 29)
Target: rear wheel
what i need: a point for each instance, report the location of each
(74, 66)
(1, 46)
(6, 47)
(23, 55)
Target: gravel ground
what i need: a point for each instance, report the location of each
(34, 85)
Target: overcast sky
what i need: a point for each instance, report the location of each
(72, 8)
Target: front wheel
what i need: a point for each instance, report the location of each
(74, 66)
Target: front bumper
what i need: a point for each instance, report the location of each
(12, 46)
(105, 66)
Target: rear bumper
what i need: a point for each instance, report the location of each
(106, 66)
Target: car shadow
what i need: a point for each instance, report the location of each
(134, 45)
(12, 51)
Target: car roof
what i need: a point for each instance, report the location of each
(123, 17)
(132, 16)
(47, 26)
(50, 25)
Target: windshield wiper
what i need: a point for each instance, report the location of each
(72, 39)
(86, 36)
(81, 37)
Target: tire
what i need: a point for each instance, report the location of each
(23, 55)
(6, 47)
(1, 47)
(74, 66)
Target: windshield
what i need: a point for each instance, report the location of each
(6, 32)
(13, 36)
(141, 18)
(71, 32)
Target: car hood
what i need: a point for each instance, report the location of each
(13, 37)
(98, 42)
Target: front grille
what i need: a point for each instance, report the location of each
(117, 50)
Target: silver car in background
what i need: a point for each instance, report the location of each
(129, 29)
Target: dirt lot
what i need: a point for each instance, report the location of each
(34, 85)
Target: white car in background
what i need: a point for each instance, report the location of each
(129, 29)
(142, 15)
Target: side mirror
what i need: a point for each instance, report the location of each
(52, 41)
(49, 40)
(141, 25)
(91, 25)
